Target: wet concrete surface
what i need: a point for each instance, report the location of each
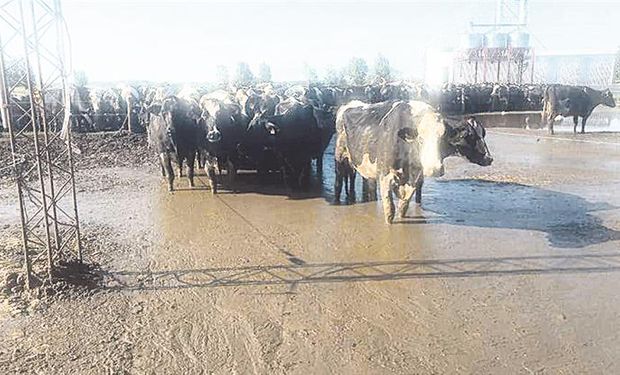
(506, 269)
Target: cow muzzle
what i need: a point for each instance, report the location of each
(214, 136)
(272, 129)
(486, 161)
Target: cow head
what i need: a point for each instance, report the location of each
(608, 98)
(213, 134)
(467, 139)
(325, 117)
(425, 136)
(163, 113)
(262, 122)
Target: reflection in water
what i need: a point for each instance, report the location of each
(601, 120)
(567, 219)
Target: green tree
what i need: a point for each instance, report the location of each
(264, 73)
(382, 68)
(357, 71)
(243, 75)
(335, 76)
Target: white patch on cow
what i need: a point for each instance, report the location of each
(343, 109)
(367, 168)
(285, 105)
(267, 88)
(129, 92)
(189, 93)
(95, 98)
(211, 106)
(221, 95)
(430, 129)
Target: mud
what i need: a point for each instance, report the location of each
(506, 269)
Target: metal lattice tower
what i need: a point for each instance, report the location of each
(35, 108)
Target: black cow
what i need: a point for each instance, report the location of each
(395, 143)
(223, 128)
(173, 134)
(325, 120)
(576, 101)
(293, 138)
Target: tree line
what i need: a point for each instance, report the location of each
(355, 72)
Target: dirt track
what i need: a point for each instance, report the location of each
(506, 269)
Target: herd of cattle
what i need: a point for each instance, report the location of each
(391, 134)
(393, 142)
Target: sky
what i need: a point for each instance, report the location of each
(184, 41)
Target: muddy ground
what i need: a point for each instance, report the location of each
(507, 269)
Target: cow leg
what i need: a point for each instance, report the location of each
(386, 183)
(232, 174)
(372, 190)
(575, 121)
(338, 181)
(405, 192)
(167, 164)
(550, 121)
(351, 191)
(365, 192)
(418, 190)
(305, 176)
(583, 124)
(198, 158)
(161, 164)
(211, 175)
(369, 190)
(191, 159)
(180, 162)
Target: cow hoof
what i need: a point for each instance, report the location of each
(402, 215)
(389, 219)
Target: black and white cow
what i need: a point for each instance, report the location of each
(394, 143)
(465, 139)
(173, 134)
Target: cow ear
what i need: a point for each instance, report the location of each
(407, 134)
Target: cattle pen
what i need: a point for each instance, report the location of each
(165, 212)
